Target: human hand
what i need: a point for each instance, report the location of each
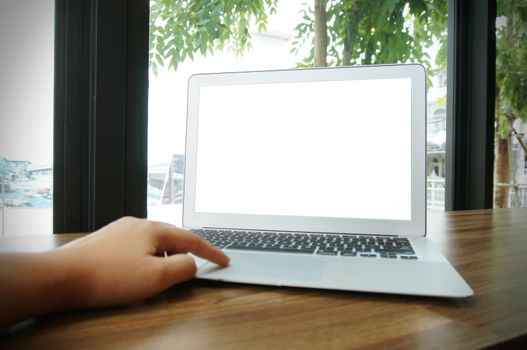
(124, 262)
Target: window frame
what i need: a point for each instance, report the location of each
(100, 112)
(471, 82)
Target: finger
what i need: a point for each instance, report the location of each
(176, 269)
(182, 241)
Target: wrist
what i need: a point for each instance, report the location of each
(59, 284)
(36, 283)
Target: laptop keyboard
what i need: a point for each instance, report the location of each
(344, 245)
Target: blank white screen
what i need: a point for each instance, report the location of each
(324, 149)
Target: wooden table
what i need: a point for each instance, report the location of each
(488, 248)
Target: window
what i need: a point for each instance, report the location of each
(510, 186)
(279, 34)
(270, 49)
(100, 176)
(26, 112)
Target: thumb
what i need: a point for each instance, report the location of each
(176, 269)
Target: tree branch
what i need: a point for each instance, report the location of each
(346, 57)
(518, 137)
(321, 34)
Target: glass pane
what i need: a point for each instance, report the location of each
(510, 170)
(26, 112)
(270, 34)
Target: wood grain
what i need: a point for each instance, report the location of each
(487, 247)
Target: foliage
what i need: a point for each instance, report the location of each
(441, 101)
(359, 32)
(179, 29)
(381, 31)
(511, 64)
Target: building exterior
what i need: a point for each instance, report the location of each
(518, 193)
(436, 141)
(165, 181)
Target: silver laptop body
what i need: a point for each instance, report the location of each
(328, 166)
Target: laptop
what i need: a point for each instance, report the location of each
(314, 178)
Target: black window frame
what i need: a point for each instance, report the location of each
(101, 108)
(471, 86)
(100, 112)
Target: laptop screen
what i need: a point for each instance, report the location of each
(334, 149)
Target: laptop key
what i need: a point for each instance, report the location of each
(326, 252)
(348, 253)
(409, 257)
(271, 249)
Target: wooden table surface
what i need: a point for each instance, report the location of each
(488, 248)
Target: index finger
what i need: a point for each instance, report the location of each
(177, 240)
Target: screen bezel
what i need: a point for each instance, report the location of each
(414, 227)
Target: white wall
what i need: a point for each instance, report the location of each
(26, 99)
(26, 80)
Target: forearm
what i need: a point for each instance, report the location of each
(31, 284)
(118, 264)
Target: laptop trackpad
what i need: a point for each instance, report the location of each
(266, 268)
